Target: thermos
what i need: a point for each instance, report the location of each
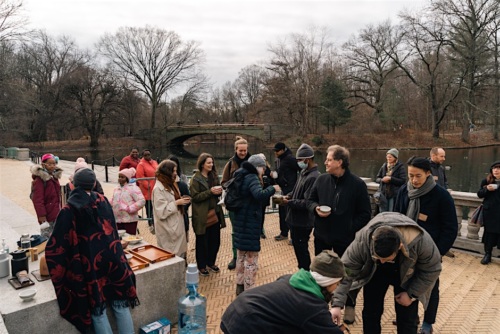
(19, 261)
(4, 264)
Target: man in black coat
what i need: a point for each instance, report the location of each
(432, 207)
(301, 220)
(347, 197)
(286, 176)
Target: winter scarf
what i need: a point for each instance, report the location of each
(86, 261)
(414, 195)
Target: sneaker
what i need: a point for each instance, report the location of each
(204, 272)
(349, 315)
(280, 237)
(232, 264)
(152, 229)
(214, 268)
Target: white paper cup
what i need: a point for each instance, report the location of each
(325, 208)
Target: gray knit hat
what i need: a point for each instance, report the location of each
(304, 152)
(257, 161)
(394, 152)
(328, 264)
(84, 178)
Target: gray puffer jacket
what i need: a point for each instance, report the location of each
(420, 263)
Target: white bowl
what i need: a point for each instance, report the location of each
(325, 208)
(27, 294)
(129, 256)
(121, 233)
(132, 239)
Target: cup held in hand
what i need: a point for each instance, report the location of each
(325, 209)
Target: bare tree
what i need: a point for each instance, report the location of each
(152, 59)
(250, 85)
(12, 20)
(369, 65)
(466, 27)
(419, 48)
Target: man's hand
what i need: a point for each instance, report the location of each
(336, 315)
(321, 213)
(403, 299)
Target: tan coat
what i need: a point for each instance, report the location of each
(169, 222)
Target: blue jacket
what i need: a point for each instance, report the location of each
(437, 215)
(247, 220)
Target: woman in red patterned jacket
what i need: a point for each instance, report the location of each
(86, 262)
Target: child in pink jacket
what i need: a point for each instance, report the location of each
(127, 201)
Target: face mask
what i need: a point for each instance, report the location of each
(302, 164)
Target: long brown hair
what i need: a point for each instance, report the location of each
(164, 174)
(213, 179)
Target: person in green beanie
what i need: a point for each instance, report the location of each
(295, 303)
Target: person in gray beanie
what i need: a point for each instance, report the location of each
(391, 176)
(247, 220)
(295, 303)
(298, 217)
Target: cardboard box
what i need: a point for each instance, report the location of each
(161, 326)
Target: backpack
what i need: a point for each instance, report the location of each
(233, 200)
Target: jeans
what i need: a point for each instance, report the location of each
(282, 210)
(374, 295)
(300, 241)
(207, 246)
(123, 321)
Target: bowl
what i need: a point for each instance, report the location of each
(121, 233)
(124, 243)
(27, 294)
(133, 239)
(325, 208)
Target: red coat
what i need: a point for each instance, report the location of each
(128, 162)
(146, 168)
(46, 195)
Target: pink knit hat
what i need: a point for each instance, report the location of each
(47, 156)
(80, 163)
(128, 172)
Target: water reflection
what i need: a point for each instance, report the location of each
(467, 166)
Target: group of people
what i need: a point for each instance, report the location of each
(402, 246)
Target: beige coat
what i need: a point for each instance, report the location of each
(169, 222)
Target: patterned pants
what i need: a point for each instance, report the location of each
(246, 268)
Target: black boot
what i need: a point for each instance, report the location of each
(487, 258)
(232, 264)
(239, 289)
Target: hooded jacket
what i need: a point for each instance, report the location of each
(46, 194)
(127, 201)
(146, 168)
(247, 220)
(419, 260)
(288, 169)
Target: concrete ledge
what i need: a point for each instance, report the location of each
(159, 286)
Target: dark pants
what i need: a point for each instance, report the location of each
(207, 246)
(490, 240)
(432, 308)
(131, 227)
(283, 224)
(374, 294)
(320, 246)
(149, 212)
(300, 241)
(263, 219)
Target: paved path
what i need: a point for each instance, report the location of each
(470, 292)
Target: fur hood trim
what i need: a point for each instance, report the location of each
(38, 170)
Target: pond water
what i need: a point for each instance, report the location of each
(465, 167)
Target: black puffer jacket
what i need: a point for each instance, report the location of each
(297, 213)
(247, 220)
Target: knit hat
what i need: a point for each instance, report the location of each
(262, 156)
(304, 152)
(496, 163)
(128, 172)
(257, 161)
(47, 156)
(328, 264)
(394, 152)
(80, 163)
(279, 146)
(84, 178)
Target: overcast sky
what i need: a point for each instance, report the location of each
(233, 34)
